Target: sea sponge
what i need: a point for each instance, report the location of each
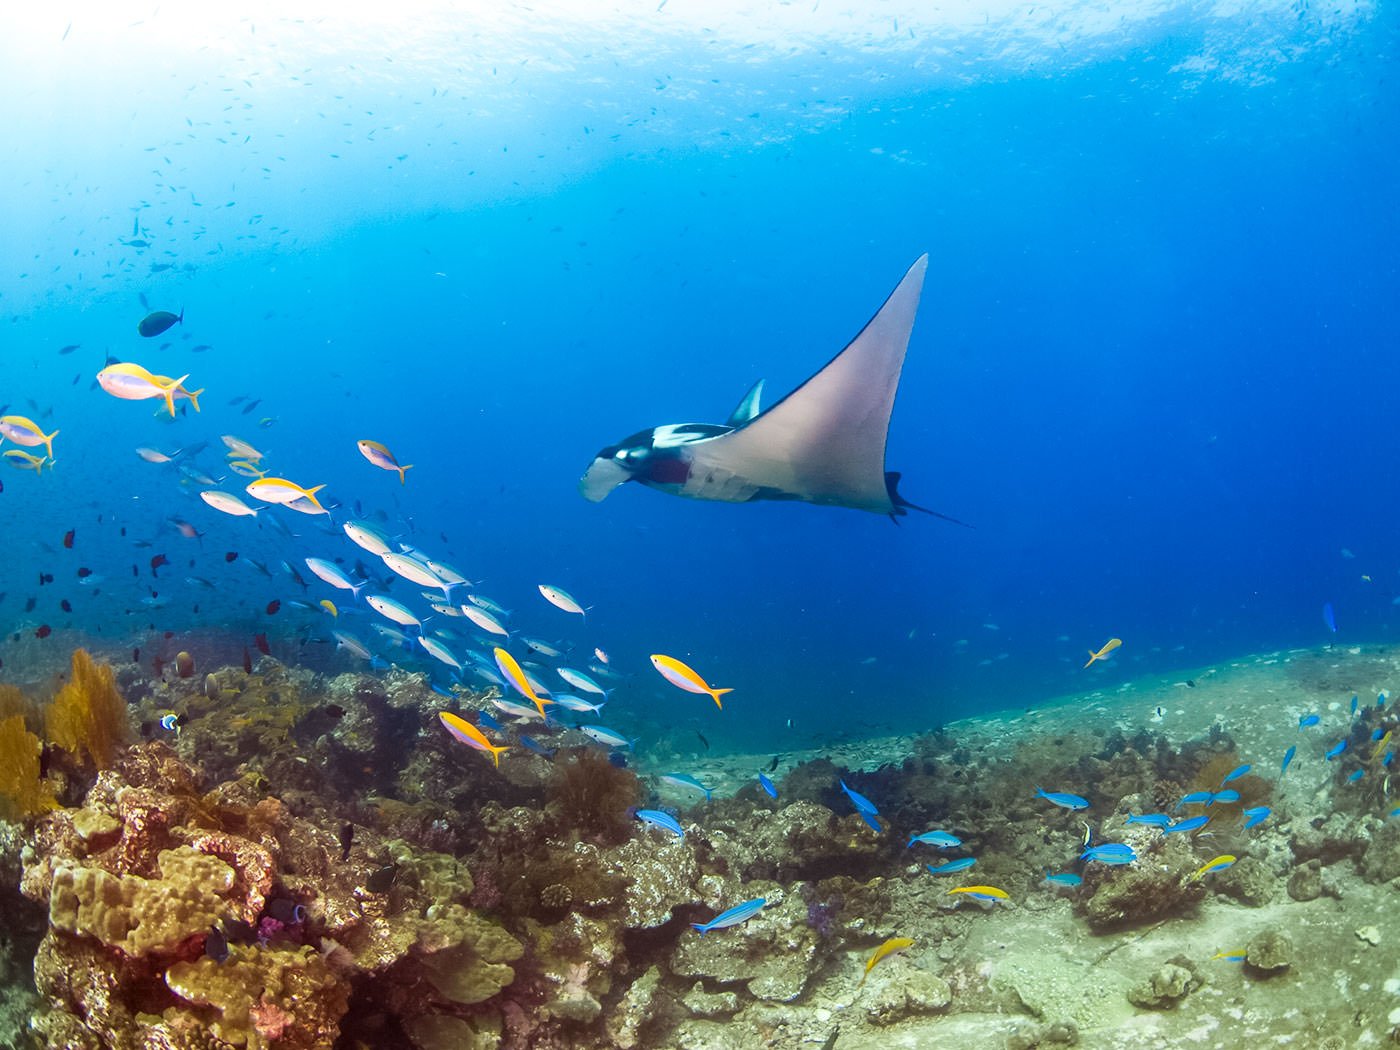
(23, 793)
(89, 715)
(140, 916)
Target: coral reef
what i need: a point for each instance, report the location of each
(376, 884)
(1167, 986)
(591, 796)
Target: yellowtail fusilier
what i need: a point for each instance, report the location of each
(684, 677)
(26, 432)
(471, 736)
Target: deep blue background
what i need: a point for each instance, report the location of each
(1153, 366)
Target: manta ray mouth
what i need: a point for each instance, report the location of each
(602, 476)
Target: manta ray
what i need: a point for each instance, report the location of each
(823, 443)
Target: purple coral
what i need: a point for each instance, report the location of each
(821, 915)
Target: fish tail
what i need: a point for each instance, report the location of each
(496, 753)
(48, 443)
(193, 395)
(701, 927)
(182, 316)
(401, 472)
(717, 693)
(314, 490)
(169, 393)
(1092, 657)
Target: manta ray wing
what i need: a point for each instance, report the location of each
(825, 441)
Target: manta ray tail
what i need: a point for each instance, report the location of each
(900, 503)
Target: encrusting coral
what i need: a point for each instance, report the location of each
(88, 716)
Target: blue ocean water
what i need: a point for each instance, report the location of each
(1150, 365)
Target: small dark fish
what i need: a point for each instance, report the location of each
(1190, 683)
(216, 945)
(831, 1039)
(155, 323)
(702, 739)
(230, 556)
(69, 348)
(66, 605)
(45, 577)
(157, 562)
(382, 880)
(272, 608)
(68, 538)
(238, 399)
(200, 348)
(251, 405)
(247, 661)
(286, 911)
(772, 765)
(335, 711)
(347, 839)
(260, 640)
(236, 931)
(43, 631)
(136, 655)
(30, 603)
(84, 572)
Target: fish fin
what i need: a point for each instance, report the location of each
(902, 506)
(182, 316)
(1092, 657)
(168, 392)
(717, 693)
(313, 491)
(701, 927)
(193, 395)
(401, 472)
(48, 443)
(824, 442)
(748, 407)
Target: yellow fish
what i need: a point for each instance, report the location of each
(1220, 863)
(1380, 744)
(984, 893)
(894, 944)
(1108, 647)
(329, 606)
(381, 457)
(131, 382)
(515, 675)
(282, 491)
(26, 432)
(27, 460)
(245, 468)
(683, 677)
(471, 736)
